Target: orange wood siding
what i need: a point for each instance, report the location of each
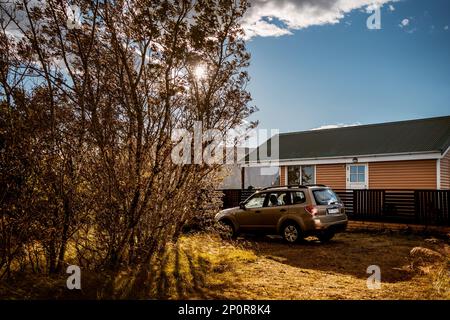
(332, 175)
(282, 175)
(445, 172)
(414, 174)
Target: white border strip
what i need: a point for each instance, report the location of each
(347, 159)
(438, 174)
(445, 152)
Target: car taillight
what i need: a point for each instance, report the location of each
(312, 210)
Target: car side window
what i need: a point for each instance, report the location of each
(279, 199)
(298, 197)
(256, 201)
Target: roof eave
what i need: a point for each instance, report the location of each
(421, 155)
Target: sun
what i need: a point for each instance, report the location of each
(200, 72)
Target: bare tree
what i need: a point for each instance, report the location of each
(100, 104)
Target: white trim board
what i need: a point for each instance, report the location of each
(445, 152)
(285, 175)
(348, 159)
(438, 174)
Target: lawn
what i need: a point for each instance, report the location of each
(202, 266)
(267, 268)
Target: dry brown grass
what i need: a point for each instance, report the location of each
(337, 270)
(202, 266)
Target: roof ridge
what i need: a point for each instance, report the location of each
(364, 125)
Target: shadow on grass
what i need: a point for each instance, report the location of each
(186, 270)
(347, 253)
(195, 267)
(205, 267)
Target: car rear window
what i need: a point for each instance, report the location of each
(325, 196)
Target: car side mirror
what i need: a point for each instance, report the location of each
(242, 205)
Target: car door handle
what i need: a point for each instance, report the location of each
(283, 210)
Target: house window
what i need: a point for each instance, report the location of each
(358, 173)
(308, 175)
(301, 175)
(357, 176)
(293, 175)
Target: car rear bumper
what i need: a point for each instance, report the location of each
(337, 223)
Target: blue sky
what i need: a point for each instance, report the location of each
(344, 73)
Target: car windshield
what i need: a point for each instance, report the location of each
(325, 197)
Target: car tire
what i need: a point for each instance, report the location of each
(227, 230)
(291, 232)
(326, 236)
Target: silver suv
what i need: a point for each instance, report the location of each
(294, 212)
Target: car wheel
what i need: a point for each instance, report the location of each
(291, 232)
(326, 236)
(227, 230)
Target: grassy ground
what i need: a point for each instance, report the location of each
(267, 268)
(202, 266)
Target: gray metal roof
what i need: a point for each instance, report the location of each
(422, 135)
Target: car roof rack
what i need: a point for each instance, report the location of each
(293, 186)
(280, 186)
(314, 185)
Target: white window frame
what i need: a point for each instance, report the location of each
(357, 185)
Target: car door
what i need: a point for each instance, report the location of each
(278, 203)
(250, 218)
(299, 201)
(263, 211)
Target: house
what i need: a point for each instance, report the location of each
(410, 154)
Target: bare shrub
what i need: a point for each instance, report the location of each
(87, 117)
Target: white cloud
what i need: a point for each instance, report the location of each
(391, 7)
(282, 17)
(265, 29)
(404, 23)
(407, 26)
(338, 125)
(446, 28)
(371, 7)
